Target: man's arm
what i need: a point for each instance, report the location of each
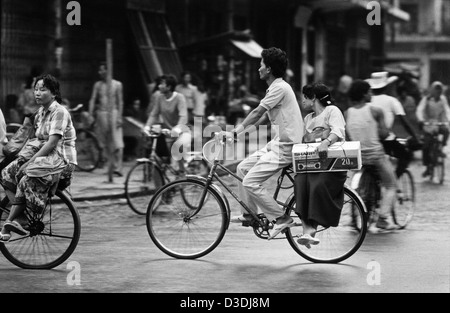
(93, 99)
(407, 125)
(120, 98)
(420, 109)
(254, 118)
(378, 115)
(153, 117)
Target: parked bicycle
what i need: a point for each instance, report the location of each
(367, 182)
(148, 174)
(88, 147)
(53, 234)
(191, 231)
(436, 167)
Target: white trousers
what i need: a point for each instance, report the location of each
(255, 171)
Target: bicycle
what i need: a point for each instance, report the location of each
(53, 234)
(89, 151)
(148, 174)
(190, 232)
(367, 183)
(436, 167)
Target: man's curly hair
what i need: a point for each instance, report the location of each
(276, 59)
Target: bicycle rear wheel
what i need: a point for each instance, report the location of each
(405, 205)
(53, 237)
(142, 181)
(180, 231)
(88, 151)
(336, 243)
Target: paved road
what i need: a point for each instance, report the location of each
(115, 254)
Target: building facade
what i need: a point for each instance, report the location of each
(423, 44)
(218, 41)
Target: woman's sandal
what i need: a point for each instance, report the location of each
(307, 240)
(5, 237)
(15, 227)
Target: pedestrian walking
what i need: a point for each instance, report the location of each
(194, 106)
(108, 110)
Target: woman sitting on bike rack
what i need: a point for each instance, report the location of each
(365, 123)
(170, 109)
(47, 161)
(433, 108)
(320, 196)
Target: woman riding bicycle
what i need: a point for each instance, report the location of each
(320, 196)
(365, 123)
(433, 108)
(47, 160)
(170, 112)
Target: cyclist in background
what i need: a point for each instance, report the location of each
(433, 108)
(170, 111)
(365, 123)
(392, 110)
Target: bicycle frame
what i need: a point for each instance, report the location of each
(285, 172)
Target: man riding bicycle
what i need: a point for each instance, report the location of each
(392, 110)
(433, 108)
(170, 112)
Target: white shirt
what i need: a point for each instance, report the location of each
(390, 106)
(284, 112)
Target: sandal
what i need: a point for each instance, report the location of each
(307, 240)
(5, 237)
(15, 227)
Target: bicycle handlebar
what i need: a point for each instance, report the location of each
(153, 134)
(435, 123)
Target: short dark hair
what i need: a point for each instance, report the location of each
(358, 90)
(171, 81)
(276, 59)
(52, 84)
(319, 91)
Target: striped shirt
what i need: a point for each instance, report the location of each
(57, 121)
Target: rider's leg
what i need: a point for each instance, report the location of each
(242, 169)
(268, 164)
(389, 183)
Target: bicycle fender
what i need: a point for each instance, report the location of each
(216, 188)
(355, 180)
(142, 160)
(357, 195)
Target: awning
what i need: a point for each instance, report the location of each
(251, 47)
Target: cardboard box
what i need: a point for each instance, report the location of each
(342, 156)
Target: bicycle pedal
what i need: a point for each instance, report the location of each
(246, 224)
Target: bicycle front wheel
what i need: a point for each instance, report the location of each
(404, 207)
(141, 183)
(336, 243)
(88, 151)
(181, 231)
(53, 236)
